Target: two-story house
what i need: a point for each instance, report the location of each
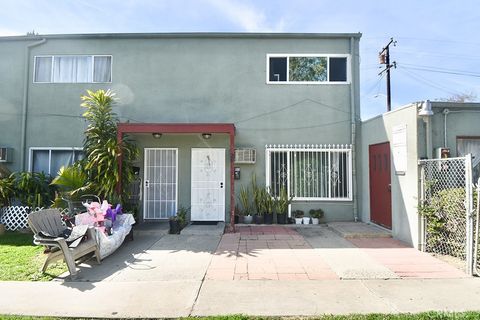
(207, 110)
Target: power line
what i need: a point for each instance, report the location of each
(440, 70)
(425, 81)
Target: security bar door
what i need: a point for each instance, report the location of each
(160, 186)
(208, 184)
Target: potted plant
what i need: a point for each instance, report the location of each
(316, 214)
(258, 202)
(306, 220)
(246, 205)
(298, 214)
(238, 215)
(281, 204)
(268, 207)
(179, 221)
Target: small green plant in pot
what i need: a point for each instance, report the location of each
(246, 205)
(179, 221)
(316, 215)
(268, 207)
(281, 204)
(258, 201)
(298, 215)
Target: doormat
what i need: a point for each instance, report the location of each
(204, 223)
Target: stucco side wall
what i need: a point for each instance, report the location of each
(404, 188)
(11, 98)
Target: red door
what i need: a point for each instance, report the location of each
(380, 188)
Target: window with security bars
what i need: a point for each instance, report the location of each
(310, 172)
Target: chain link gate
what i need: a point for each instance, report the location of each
(447, 209)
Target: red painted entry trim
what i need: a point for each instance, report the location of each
(380, 184)
(226, 128)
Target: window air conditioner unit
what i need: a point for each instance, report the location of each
(245, 156)
(6, 154)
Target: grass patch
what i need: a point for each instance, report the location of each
(433, 315)
(373, 316)
(21, 260)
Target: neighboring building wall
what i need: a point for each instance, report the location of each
(462, 120)
(404, 188)
(188, 79)
(12, 66)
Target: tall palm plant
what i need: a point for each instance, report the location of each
(101, 147)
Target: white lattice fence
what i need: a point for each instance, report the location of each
(15, 217)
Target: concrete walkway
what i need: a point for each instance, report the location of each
(267, 270)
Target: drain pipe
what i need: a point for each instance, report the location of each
(353, 129)
(426, 113)
(25, 101)
(445, 114)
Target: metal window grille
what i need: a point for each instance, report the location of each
(310, 172)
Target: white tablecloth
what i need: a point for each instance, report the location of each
(108, 244)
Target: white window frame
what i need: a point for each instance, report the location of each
(308, 55)
(49, 149)
(269, 149)
(92, 66)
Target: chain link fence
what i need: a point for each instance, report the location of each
(447, 208)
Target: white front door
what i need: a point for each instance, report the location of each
(208, 184)
(160, 183)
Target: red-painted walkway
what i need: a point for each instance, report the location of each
(281, 253)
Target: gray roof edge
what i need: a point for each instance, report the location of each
(172, 35)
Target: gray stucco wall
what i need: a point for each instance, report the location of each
(11, 97)
(462, 120)
(191, 79)
(404, 189)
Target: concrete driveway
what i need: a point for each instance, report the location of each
(260, 270)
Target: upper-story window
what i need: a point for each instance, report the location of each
(307, 68)
(73, 69)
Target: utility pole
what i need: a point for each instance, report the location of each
(384, 57)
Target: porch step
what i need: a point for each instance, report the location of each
(203, 230)
(358, 230)
(151, 228)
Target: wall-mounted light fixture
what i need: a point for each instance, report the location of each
(157, 135)
(206, 136)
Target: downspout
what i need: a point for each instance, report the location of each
(426, 114)
(445, 114)
(25, 101)
(353, 128)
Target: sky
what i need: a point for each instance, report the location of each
(437, 50)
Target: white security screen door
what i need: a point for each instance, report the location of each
(208, 184)
(160, 183)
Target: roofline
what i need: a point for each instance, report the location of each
(185, 35)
